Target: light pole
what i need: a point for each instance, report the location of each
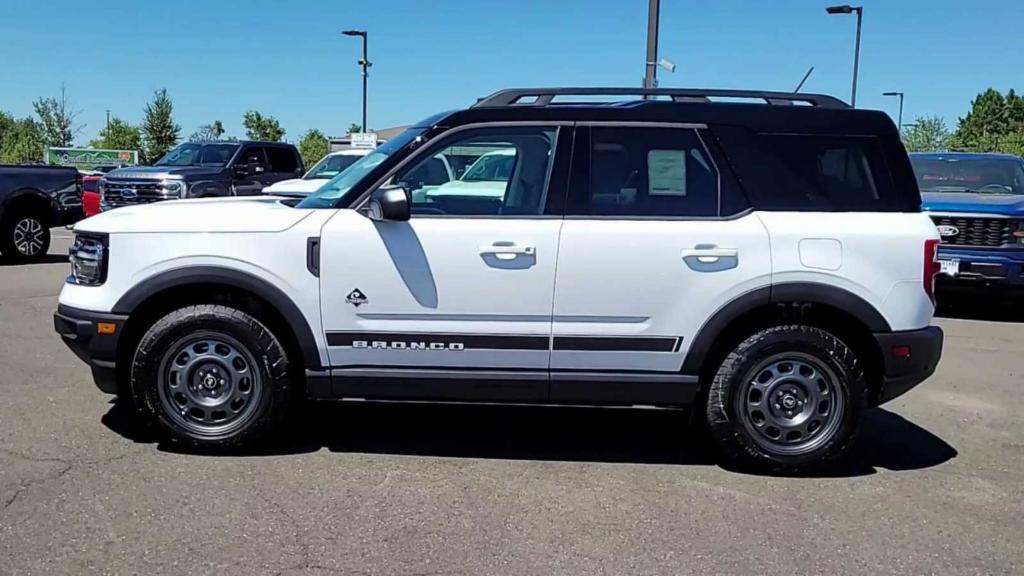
(859, 10)
(651, 64)
(900, 94)
(365, 63)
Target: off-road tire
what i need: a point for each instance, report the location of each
(158, 349)
(737, 444)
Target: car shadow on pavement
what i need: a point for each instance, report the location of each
(48, 259)
(566, 434)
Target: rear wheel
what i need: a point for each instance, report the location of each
(25, 236)
(788, 398)
(212, 377)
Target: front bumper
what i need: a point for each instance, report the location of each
(980, 268)
(910, 357)
(78, 329)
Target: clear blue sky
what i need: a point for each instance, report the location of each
(218, 58)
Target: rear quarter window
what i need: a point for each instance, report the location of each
(815, 172)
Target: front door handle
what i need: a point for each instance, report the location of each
(507, 251)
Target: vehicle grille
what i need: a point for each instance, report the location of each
(118, 193)
(979, 231)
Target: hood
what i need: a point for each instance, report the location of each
(236, 214)
(1002, 204)
(296, 186)
(161, 172)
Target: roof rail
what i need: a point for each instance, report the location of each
(544, 96)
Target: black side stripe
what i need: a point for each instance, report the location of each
(468, 341)
(509, 342)
(616, 343)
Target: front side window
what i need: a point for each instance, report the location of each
(508, 177)
(282, 160)
(979, 176)
(648, 172)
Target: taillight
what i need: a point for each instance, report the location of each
(931, 266)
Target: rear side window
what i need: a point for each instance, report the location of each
(803, 172)
(653, 172)
(282, 160)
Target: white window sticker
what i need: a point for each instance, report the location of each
(666, 173)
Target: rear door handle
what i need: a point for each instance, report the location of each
(709, 255)
(507, 251)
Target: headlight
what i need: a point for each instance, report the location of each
(174, 188)
(101, 187)
(88, 256)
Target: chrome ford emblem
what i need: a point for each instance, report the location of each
(947, 230)
(129, 193)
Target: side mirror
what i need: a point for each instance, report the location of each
(241, 170)
(390, 203)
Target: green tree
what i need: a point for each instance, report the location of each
(22, 141)
(118, 135)
(313, 146)
(57, 117)
(354, 128)
(926, 134)
(995, 123)
(208, 132)
(159, 132)
(260, 127)
(6, 123)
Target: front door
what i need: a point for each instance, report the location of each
(468, 281)
(649, 251)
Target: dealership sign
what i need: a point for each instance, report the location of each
(88, 158)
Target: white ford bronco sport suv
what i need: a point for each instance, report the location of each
(763, 260)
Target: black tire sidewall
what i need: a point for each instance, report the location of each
(733, 437)
(271, 361)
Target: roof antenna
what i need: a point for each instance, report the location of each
(806, 76)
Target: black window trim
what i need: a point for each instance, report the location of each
(360, 204)
(698, 128)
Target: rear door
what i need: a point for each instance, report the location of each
(282, 163)
(656, 239)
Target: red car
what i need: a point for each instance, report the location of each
(91, 194)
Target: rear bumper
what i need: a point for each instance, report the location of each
(78, 330)
(983, 268)
(910, 358)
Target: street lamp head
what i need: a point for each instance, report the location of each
(844, 9)
(892, 93)
(354, 32)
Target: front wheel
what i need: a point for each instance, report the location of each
(787, 399)
(212, 377)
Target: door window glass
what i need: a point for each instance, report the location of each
(505, 173)
(282, 160)
(649, 172)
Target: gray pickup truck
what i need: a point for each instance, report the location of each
(32, 200)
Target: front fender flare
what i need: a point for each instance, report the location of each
(234, 278)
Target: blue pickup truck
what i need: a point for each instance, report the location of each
(977, 203)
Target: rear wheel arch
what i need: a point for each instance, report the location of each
(149, 300)
(29, 200)
(848, 316)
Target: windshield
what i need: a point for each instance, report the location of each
(193, 154)
(330, 166)
(329, 194)
(491, 167)
(981, 176)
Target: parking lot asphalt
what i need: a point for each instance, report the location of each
(936, 484)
